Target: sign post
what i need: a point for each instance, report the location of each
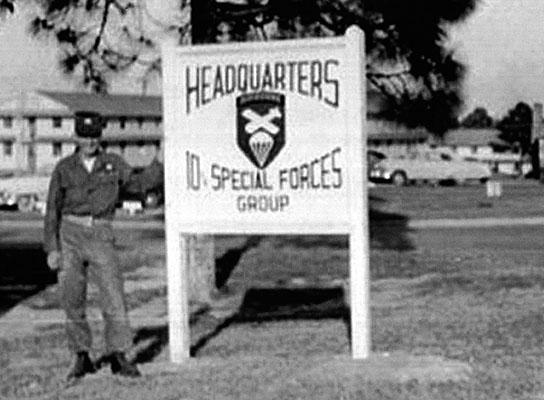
(266, 138)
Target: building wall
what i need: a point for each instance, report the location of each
(45, 140)
(120, 127)
(48, 153)
(8, 161)
(395, 147)
(137, 154)
(140, 154)
(137, 140)
(9, 147)
(39, 131)
(40, 139)
(468, 150)
(45, 128)
(395, 139)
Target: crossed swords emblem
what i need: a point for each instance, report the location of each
(257, 121)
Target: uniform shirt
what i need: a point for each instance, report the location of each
(75, 190)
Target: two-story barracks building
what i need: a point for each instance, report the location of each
(37, 128)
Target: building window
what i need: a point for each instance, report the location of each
(57, 122)
(158, 121)
(8, 148)
(122, 147)
(140, 121)
(141, 147)
(7, 122)
(57, 149)
(122, 122)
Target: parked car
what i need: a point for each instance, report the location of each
(25, 193)
(430, 166)
(151, 199)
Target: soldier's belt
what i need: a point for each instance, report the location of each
(85, 220)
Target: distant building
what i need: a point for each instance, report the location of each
(473, 141)
(484, 145)
(37, 128)
(390, 137)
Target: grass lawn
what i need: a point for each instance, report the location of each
(520, 198)
(467, 295)
(479, 302)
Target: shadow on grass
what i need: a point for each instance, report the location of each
(388, 230)
(224, 265)
(24, 273)
(259, 305)
(265, 304)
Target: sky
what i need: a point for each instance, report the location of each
(502, 45)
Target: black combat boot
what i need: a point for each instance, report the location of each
(121, 366)
(82, 366)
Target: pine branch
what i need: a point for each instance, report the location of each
(103, 23)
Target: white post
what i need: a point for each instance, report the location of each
(178, 302)
(489, 188)
(358, 243)
(176, 244)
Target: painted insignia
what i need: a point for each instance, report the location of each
(261, 126)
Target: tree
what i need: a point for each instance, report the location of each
(406, 40)
(478, 118)
(516, 126)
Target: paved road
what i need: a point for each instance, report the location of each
(404, 235)
(137, 224)
(158, 224)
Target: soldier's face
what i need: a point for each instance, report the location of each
(88, 146)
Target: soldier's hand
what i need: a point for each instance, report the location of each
(54, 260)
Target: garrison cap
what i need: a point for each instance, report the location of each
(89, 124)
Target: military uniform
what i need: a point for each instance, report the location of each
(78, 226)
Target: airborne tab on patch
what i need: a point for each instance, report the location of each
(261, 126)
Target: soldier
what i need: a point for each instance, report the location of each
(78, 240)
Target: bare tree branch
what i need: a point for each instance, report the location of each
(103, 23)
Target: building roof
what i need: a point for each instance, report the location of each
(115, 105)
(108, 105)
(473, 137)
(388, 130)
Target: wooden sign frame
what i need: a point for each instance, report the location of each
(260, 130)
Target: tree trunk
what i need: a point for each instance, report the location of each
(202, 29)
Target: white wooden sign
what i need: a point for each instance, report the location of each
(266, 138)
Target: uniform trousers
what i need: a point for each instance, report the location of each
(88, 251)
